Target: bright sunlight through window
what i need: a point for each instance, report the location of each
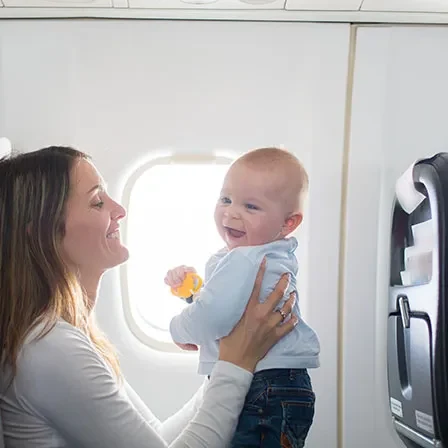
(170, 223)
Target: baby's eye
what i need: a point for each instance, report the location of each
(225, 200)
(252, 207)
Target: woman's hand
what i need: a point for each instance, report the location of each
(260, 327)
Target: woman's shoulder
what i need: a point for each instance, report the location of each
(47, 350)
(58, 335)
(59, 358)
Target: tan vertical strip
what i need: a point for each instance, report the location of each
(343, 232)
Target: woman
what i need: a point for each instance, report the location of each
(60, 379)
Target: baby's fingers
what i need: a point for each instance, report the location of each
(173, 279)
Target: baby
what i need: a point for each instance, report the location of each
(261, 203)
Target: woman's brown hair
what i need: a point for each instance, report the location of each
(36, 286)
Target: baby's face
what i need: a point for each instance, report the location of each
(251, 209)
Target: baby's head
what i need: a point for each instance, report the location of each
(262, 198)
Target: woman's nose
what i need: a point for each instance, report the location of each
(119, 212)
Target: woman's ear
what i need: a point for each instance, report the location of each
(291, 223)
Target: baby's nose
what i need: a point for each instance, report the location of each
(233, 212)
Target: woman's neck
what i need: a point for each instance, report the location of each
(90, 284)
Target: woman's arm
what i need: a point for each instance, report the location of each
(170, 428)
(215, 424)
(144, 411)
(216, 390)
(62, 379)
(174, 425)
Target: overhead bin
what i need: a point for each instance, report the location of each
(350, 11)
(58, 3)
(208, 4)
(434, 6)
(323, 5)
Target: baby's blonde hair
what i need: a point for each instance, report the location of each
(295, 181)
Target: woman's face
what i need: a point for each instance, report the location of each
(92, 238)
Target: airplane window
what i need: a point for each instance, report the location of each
(170, 222)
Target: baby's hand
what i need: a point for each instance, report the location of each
(176, 276)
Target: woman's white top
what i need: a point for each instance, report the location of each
(65, 395)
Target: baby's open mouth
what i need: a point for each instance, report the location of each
(234, 233)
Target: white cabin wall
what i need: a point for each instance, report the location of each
(400, 103)
(123, 90)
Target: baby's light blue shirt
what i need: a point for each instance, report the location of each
(229, 279)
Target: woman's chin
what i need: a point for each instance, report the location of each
(119, 256)
(124, 255)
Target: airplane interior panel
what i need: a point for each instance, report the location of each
(164, 107)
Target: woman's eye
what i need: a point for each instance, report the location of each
(98, 204)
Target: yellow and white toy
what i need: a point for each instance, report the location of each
(190, 286)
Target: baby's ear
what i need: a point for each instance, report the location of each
(291, 223)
